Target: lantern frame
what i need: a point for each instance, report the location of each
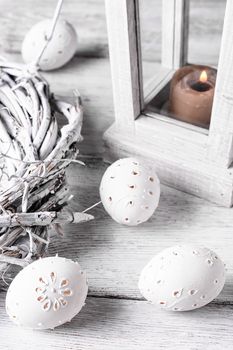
(189, 158)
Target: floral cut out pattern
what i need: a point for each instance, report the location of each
(52, 293)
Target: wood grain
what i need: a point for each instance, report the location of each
(112, 324)
(113, 255)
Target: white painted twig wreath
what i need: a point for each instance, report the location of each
(34, 155)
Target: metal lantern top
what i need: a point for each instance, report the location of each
(187, 157)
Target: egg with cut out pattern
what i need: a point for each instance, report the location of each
(60, 49)
(182, 278)
(47, 293)
(130, 191)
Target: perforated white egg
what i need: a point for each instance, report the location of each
(183, 278)
(47, 293)
(130, 191)
(61, 48)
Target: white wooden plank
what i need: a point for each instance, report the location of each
(114, 255)
(88, 17)
(112, 324)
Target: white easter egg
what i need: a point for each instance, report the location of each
(47, 293)
(182, 278)
(130, 191)
(61, 48)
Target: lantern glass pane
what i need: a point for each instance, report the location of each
(205, 31)
(185, 97)
(150, 17)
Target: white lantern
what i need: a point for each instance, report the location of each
(191, 158)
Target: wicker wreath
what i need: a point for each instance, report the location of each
(34, 155)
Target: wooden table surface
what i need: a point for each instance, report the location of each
(116, 316)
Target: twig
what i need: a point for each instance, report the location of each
(93, 206)
(50, 35)
(43, 218)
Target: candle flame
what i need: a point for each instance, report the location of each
(203, 76)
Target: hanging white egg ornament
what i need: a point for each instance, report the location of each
(60, 49)
(182, 278)
(130, 191)
(47, 293)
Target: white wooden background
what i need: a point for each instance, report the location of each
(116, 316)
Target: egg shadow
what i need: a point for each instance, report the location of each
(97, 311)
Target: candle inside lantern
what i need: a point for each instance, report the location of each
(192, 93)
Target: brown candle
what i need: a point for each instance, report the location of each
(191, 94)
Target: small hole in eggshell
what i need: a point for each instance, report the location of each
(177, 293)
(112, 177)
(135, 163)
(209, 262)
(43, 281)
(194, 305)
(150, 193)
(151, 179)
(174, 253)
(131, 186)
(47, 305)
(59, 52)
(41, 298)
(195, 252)
(67, 292)
(56, 305)
(64, 283)
(162, 302)
(192, 291)
(176, 309)
(202, 297)
(126, 219)
(63, 302)
(146, 207)
(110, 199)
(215, 281)
(53, 276)
(134, 172)
(158, 282)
